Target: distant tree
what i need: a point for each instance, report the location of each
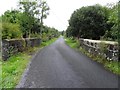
(52, 32)
(63, 33)
(69, 31)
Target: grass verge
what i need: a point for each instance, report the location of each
(12, 69)
(112, 66)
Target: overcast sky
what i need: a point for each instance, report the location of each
(60, 10)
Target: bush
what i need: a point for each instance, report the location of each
(45, 37)
(10, 31)
(35, 35)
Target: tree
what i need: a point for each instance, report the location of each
(11, 16)
(88, 22)
(43, 11)
(27, 17)
(113, 20)
(33, 13)
(10, 25)
(27, 21)
(69, 31)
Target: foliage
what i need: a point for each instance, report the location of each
(112, 66)
(44, 9)
(46, 43)
(44, 37)
(88, 22)
(29, 17)
(49, 33)
(113, 21)
(11, 16)
(72, 43)
(95, 22)
(0, 19)
(10, 31)
(33, 12)
(26, 23)
(12, 70)
(10, 25)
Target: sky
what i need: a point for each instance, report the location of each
(60, 10)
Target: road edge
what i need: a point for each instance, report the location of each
(24, 75)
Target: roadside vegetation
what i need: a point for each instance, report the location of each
(27, 21)
(112, 66)
(13, 68)
(91, 22)
(95, 22)
(24, 22)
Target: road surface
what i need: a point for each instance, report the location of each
(59, 66)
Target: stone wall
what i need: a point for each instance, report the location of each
(13, 46)
(107, 49)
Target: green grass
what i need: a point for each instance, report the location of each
(12, 69)
(112, 66)
(72, 43)
(46, 43)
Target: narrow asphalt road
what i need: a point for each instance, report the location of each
(59, 66)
